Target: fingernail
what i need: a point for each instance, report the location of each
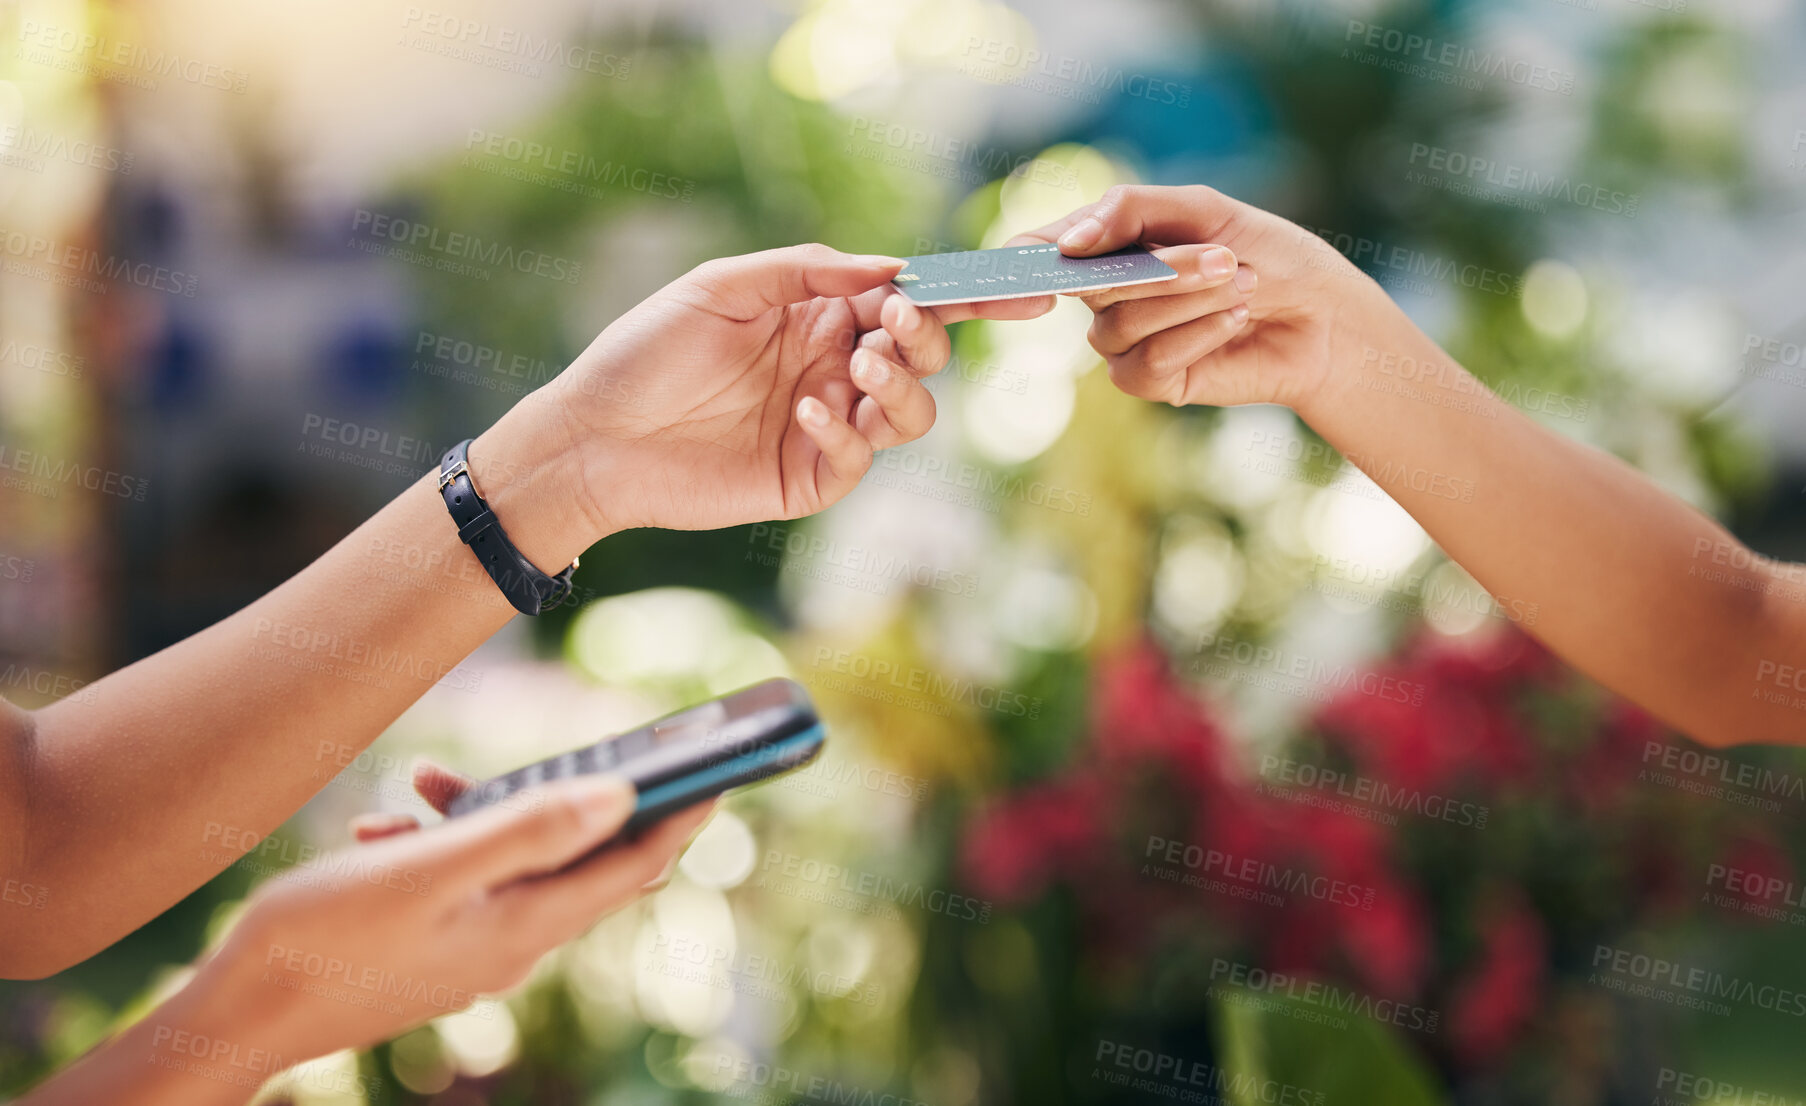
(378, 823)
(909, 316)
(868, 368)
(812, 412)
(1082, 235)
(1239, 313)
(600, 799)
(1216, 264)
(1245, 280)
(881, 261)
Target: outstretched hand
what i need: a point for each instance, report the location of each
(1252, 317)
(755, 388)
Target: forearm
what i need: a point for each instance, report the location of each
(164, 772)
(202, 1047)
(1627, 583)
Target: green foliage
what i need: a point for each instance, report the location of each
(1279, 1038)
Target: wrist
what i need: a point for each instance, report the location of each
(1366, 329)
(536, 474)
(217, 1039)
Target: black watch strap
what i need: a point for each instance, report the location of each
(530, 590)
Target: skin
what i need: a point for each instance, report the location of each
(752, 388)
(418, 927)
(1262, 313)
(1633, 587)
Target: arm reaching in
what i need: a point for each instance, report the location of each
(1645, 594)
(752, 388)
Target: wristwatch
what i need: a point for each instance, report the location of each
(530, 590)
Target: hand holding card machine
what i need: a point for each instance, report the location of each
(683, 758)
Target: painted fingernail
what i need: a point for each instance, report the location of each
(1216, 264)
(1082, 235)
(379, 823)
(1239, 313)
(1245, 280)
(812, 411)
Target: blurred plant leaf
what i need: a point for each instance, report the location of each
(1270, 1037)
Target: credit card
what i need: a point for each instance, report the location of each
(1016, 272)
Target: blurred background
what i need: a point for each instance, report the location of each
(1082, 658)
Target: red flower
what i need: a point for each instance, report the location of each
(1017, 847)
(1387, 944)
(1449, 716)
(1485, 664)
(1599, 779)
(1755, 871)
(1160, 780)
(1491, 1005)
(1143, 713)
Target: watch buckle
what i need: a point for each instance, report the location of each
(450, 474)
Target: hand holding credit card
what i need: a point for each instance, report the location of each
(1018, 272)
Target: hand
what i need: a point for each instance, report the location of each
(438, 786)
(751, 388)
(422, 923)
(1260, 311)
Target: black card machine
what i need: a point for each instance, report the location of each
(686, 757)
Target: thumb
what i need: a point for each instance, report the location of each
(745, 286)
(530, 832)
(1130, 214)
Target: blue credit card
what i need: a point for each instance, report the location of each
(1015, 272)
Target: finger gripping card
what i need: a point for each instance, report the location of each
(1017, 272)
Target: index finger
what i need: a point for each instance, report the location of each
(1199, 267)
(439, 785)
